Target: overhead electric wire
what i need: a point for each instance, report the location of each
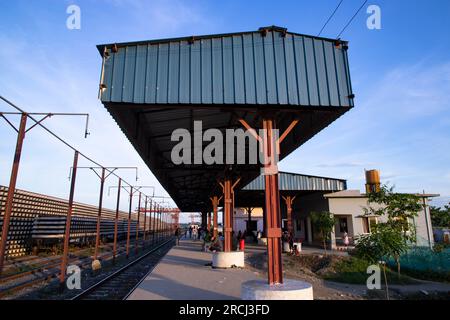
(350, 21)
(66, 143)
(331, 16)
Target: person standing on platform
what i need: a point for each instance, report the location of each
(177, 235)
(291, 242)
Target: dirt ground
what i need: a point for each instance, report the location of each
(311, 268)
(257, 262)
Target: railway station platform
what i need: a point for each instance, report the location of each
(185, 274)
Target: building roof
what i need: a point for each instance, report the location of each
(271, 67)
(358, 194)
(289, 181)
(293, 184)
(152, 88)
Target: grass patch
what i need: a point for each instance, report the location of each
(354, 270)
(428, 275)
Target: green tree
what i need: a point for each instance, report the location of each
(383, 243)
(323, 222)
(398, 231)
(440, 217)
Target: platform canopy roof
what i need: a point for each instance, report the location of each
(293, 184)
(153, 87)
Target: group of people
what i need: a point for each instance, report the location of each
(216, 243)
(195, 233)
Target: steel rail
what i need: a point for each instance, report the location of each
(120, 271)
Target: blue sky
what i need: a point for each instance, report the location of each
(400, 75)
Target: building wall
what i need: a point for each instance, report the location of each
(301, 210)
(353, 207)
(424, 228)
(240, 223)
(241, 217)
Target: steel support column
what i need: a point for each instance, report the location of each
(164, 220)
(136, 241)
(249, 213)
(215, 204)
(228, 187)
(62, 276)
(289, 200)
(232, 207)
(154, 222)
(272, 217)
(145, 220)
(129, 222)
(272, 201)
(209, 221)
(150, 219)
(12, 188)
(116, 220)
(159, 223)
(264, 220)
(100, 204)
(227, 213)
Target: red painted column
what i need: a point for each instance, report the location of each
(159, 223)
(145, 221)
(12, 188)
(154, 222)
(290, 224)
(150, 218)
(116, 220)
(227, 214)
(272, 200)
(215, 203)
(136, 242)
(129, 222)
(100, 204)
(62, 276)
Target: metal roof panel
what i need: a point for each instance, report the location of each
(245, 68)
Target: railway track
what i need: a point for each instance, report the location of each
(120, 284)
(50, 269)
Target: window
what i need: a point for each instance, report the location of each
(372, 222)
(365, 223)
(369, 223)
(343, 225)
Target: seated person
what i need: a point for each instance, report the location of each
(216, 244)
(234, 241)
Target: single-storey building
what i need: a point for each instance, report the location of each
(310, 195)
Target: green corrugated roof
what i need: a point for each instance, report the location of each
(268, 66)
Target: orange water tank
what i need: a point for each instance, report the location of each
(372, 181)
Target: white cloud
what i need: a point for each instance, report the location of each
(400, 125)
(46, 74)
(412, 91)
(163, 18)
